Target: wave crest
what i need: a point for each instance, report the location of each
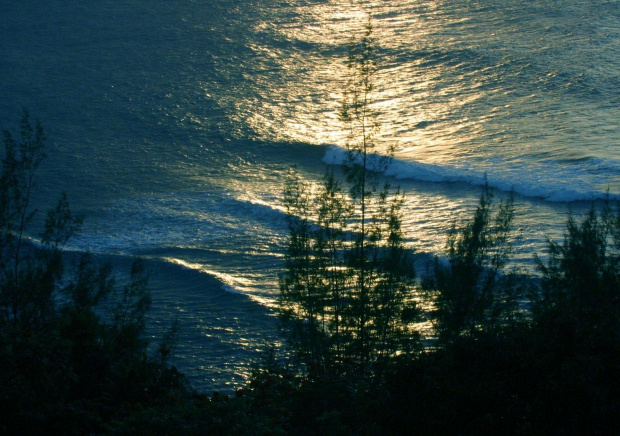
(557, 184)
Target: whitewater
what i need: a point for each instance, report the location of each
(171, 126)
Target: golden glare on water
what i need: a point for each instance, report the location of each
(419, 114)
(455, 101)
(306, 109)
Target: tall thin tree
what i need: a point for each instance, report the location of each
(349, 278)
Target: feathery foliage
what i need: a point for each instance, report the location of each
(347, 295)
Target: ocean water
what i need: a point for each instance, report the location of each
(172, 124)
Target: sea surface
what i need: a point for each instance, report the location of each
(171, 126)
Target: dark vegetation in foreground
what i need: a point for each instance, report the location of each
(511, 356)
(73, 356)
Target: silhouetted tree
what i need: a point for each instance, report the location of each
(470, 289)
(67, 362)
(347, 293)
(581, 279)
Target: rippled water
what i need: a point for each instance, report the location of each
(171, 125)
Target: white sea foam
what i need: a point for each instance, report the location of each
(553, 183)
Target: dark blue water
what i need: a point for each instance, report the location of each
(171, 125)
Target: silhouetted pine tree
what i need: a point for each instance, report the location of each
(67, 365)
(471, 290)
(581, 279)
(347, 294)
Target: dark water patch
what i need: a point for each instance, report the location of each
(424, 124)
(221, 332)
